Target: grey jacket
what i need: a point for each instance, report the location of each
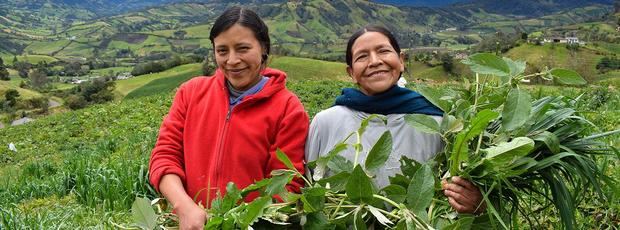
(333, 125)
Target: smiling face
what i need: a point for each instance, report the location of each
(375, 66)
(239, 55)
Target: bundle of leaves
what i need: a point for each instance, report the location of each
(524, 156)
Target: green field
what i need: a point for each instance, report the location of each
(47, 47)
(557, 56)
(124, 87)
(34, 59)
(165, 84)
(309, 69)
(14, 84)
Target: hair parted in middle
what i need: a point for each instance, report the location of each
(246, 18)
(370, 28)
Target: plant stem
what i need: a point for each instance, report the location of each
(389, 213)
(391, 202)
(476, 93)
(357, 147)
(337, 209)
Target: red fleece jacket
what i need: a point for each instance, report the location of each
(207, 145)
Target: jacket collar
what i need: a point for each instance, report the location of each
(277, 82)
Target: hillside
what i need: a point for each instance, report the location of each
(583, 60)
(69, 31)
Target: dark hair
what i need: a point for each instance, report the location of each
(244, 17)
(370, 28)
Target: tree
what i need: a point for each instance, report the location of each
(447, 61)
(180, 34)
(11, 96)
(38, 78)
(22, 68)
(4, 73)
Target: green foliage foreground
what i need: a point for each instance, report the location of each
(525, 156)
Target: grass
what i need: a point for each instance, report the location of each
(77, 50)
(46, 48)
(31, 58)
(583, 60)
(310, 69)
(14, 84)
(166, 84)
(124, 87)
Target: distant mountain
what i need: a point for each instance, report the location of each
(526, 8)
(428, 3)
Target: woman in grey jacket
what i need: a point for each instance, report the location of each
(375, 63)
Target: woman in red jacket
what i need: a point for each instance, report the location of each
(227, 128)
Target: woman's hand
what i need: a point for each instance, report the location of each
(463, 196)
(191, 216)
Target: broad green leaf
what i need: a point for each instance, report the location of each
(424, 123)
(550, 140)
(143, 214)
(321, 164)
(285, 160)
(253, 211)
(479, 123)
(450, 124)
(317, 221)
(313, 199)
(400, 180)
(396, 193)
(463, 223)
(379, 216)
(365, 122)
(567, 77)
(279, 179)
(379, 152)
(253, 187)
(434, 96)
(460, 149)
(359, 187)
(505, 153)
(340, 164)
(516, 68)
(409, 166)
(336, 182)
(516, 110)
(421, 189)
(486, 63)
(214, 223)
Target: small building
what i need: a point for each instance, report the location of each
(461, 56)
(564, 40)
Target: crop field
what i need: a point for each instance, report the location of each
(124, 87)
(34, 59)
(46, 47)
(76, 50)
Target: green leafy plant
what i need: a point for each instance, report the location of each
(524, 155)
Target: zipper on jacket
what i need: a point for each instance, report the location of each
(220, 149)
